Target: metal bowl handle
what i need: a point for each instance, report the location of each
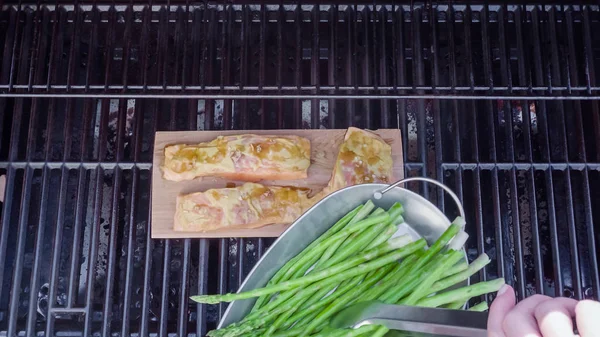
(461, 210)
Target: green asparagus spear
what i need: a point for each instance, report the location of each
(483, 306)
(462, 265)
(365, 329)
(308, 259)
(355, 215)
(408, 281)
(389, 280)
(456, 305)
(258, 321)
(278, 322)
(359, 240)
(341, 271)
(281, 298)
(349, 297)
(303, 317)
(477, 264)
(294, 332)
(464, 292)
(394, 293)
(334, 247)
(387, 232)
(430, 276)
(315, 306)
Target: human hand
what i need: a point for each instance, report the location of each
(542, 316)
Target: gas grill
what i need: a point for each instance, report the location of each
(498, 101)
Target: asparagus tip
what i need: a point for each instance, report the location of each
(205, 299)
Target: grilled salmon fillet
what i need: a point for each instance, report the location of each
(363, 158)
(242, 157)
(248, 206)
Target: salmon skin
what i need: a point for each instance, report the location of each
(242, 157)
(248, 206)
(364, 157)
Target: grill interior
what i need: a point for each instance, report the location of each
(498, 102)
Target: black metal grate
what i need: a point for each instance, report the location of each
(74, 242)
(221, 50)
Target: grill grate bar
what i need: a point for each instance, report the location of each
(114, 227)
(130, 235)
(59, 221)
(144, 330)
(223, 247)
(71, 29)
(202, 286)
(20, 251)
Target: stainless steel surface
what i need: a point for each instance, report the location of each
(456, 199)
(428, 321)
(422, 219)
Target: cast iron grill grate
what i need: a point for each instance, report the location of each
(495, 101)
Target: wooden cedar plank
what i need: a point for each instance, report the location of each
(324, 150)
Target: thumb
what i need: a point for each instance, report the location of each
(504, 302)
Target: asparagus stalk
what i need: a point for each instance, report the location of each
(355, 215)
(306, 316)
(385, 235)
(392, 227)
(462, 265)
(306, 313)
(319, 295)
(347, 298)
(477, 264)
(464, 292)
(408, 281)
(393, 294)
(363, 263)
(428, 277)
(389, 280)
(358, 240)
(456, 305)
(380, 331)
(483, 306)
(303, 269)
(303, 293)
(308, 259)
(278, 322)
(295, 332)
(260, 320)
(440, 243)
(281, 298)
(365, 329)
(334, 247)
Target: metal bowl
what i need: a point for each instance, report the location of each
(422, 219)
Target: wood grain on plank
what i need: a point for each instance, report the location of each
(324, 149)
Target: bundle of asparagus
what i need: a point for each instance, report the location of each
(358, 259)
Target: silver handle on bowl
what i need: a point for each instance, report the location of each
(461, 210)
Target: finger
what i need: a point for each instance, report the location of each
(504, 302)
(554, 317)
(521, 322)
(587, 315)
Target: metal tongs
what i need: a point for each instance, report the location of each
(425, 321)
